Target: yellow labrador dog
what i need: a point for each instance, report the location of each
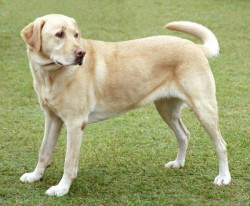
(80, 81)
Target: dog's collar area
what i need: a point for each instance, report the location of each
(48, 64)
(54, 63)
(59, 63)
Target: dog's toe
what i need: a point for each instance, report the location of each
(30, 177)
(222, 180)
(174, 164)
(57, 191)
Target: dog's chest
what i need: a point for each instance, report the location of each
(47, 98)
(46, 93)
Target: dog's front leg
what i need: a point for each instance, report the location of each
(74, 138)
(52, 130)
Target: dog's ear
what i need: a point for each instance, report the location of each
(31, 34)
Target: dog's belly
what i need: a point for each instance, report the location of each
(103, 112)
(99, 116)
(108, 109)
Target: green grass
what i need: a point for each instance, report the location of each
(122, 159)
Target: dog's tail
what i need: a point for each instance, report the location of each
(210, 46)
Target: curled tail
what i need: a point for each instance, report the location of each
(210, 46)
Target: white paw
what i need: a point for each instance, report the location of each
(174, 164)
(57, 191)
(222, 180)
(30, 177)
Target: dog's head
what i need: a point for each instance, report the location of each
(56, 38)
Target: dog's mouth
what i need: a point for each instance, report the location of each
(78, 61)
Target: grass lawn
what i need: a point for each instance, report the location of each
(122, 159)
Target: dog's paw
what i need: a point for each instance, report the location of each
(222, 180)
(57, 191)
(174, 164)
(30, 177)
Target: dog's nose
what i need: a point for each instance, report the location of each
(79, 53)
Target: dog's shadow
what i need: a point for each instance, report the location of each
(126, 180)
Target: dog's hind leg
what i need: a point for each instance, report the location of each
(170, 111)
(201, 97)
(207, 113)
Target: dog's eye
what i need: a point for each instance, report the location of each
(60, 34)
(76, 35)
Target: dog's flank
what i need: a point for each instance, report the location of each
(80, 81)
